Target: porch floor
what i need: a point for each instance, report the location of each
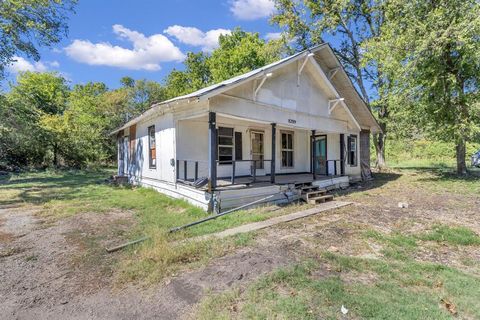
(261, 181)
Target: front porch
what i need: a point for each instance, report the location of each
(241, 160)
(227, 151)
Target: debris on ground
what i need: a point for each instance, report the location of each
(403, 205)
(449, 306)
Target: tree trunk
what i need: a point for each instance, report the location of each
(379, 143)
(55, 155)
(380, 138)
(460, 149)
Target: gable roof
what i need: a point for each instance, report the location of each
(326, 59)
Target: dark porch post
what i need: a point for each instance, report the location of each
(274, 152)
(342, 154)
(212, 151)
(312, 151)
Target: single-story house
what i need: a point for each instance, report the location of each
(298, 120)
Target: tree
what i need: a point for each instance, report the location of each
(26, 24)
(195, 76)
(431, 49)
(351, 23)
(238, 53)
(139, 96)
(82, 128)
(241, 52)
(35, 96)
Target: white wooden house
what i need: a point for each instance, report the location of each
(294, 121)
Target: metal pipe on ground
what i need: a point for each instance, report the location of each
(119, 247)
(219, 215)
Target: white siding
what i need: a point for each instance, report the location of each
(165, 137)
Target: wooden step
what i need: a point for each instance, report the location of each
(312, 194)
(320, 199)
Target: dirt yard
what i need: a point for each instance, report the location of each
(58, 268)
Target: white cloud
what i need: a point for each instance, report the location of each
(21, 65)
(196, 37)
(53, 64)
(273, 36)
(147, 52)
(252, 9)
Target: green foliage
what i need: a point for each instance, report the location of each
(420, 151)
(238, 53)
(43, 122)
(26, 24)
(430, 51)
(241, 52)
(141, 95)
(35, 97)
(196, 76)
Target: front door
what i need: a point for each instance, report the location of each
(320, 155)
(257, 149)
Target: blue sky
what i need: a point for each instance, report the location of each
(143, 39)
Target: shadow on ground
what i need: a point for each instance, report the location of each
(444, 173)
(42, 189)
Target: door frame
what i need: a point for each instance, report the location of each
(252, 131)
(312, 151)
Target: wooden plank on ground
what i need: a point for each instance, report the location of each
(280, 219)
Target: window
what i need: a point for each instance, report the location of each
(152, 151)
(352, 150)
(287, 149)
(225, 145)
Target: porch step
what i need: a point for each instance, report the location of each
(320, 199)
(312, 194)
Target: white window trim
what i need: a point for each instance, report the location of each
(226, 146)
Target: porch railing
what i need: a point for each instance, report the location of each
(183, 175)
(253, 167)
(188, 170)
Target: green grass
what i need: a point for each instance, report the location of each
(396, 245)
(394, 290)
(403, 246)
(452, 235)
(61, 194)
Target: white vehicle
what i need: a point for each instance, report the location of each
(476, 159)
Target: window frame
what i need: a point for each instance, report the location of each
(282, 149)
(152, 147)
(352, 160)
(232, 146)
